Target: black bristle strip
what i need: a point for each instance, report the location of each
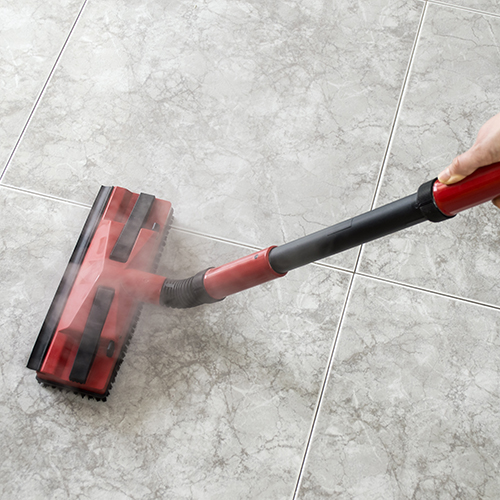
(68, 389)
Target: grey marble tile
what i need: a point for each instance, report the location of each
(32, 33)
(214, 402)
(453, 89)
(261, 121)
(411, 408)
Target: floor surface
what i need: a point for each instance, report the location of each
(374, 374)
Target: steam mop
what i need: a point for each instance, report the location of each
(110, 274)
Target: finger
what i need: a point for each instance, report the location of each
(496, 202)
(462, 166)
(447, 177)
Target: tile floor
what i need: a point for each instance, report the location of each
(374, 375)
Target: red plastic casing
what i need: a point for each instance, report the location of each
(131, 281)
(247, 272)
(481, 186)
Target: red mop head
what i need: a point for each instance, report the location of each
(96, 307)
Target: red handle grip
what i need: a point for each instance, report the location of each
(481, 186)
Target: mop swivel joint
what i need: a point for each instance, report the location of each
(185, 293)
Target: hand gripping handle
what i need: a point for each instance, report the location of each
(481, 186)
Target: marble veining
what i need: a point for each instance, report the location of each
(447, 100)
(261, 121)
(32, 34)
(213, 402)
(411, 409)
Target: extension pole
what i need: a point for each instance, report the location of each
(433, 202)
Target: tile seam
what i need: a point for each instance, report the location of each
(251, 247)
(428, 291)
(399, 105)
(257, 248)
(180, 229)
(213, 237)
(354, 273)
(324, 385)
(409, 286)
(462, 7)
(41, 93)
(44, 196)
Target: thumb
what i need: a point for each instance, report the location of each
(462, 166)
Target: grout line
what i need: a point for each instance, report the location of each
(335, 342)
(42, 92)
(324, 385)
(329, 368)
(344, 270)
(331, 267)
(428, 291)
(349, 289)
(250, 247)
(173, 227)
(256, 248)
(45, 196)
(398, 107)
(215, 238)
(462, 7)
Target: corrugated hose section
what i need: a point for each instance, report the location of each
(185, 293)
